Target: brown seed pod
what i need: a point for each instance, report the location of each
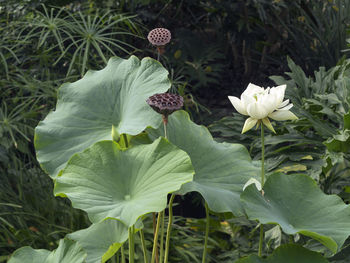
(165, 103)
(159, 37)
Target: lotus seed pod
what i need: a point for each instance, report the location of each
(159, 37)
(165, 103)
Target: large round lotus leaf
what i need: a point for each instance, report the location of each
(88, 110)
(221, 169)
(101, 240)
(109, 182)
(296, 203)
(287, 254)
(67, 252)
(29, 255)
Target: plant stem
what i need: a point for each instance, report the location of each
(262, 155)
(162, 238)
(131, 244)
(165, 133)
(165, 123)
(154, 222)
(158, 53)
(154, 233)
(122, 253)
(142, 236)
(261, 238)
(207, 224)
(132, 228)
(155, 240)
(168, 232)
(125, 138)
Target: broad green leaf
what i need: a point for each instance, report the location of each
(29, 255)
(296, 203)
(287, 254)
(68, 251)
(109, 182)
(100, 106)
(102, 240)
(221, 169)
(339, 142)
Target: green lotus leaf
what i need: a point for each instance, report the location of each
(287, 254)
(296, 203)
(221, 169)
(68, 251)
(102, 240)
(29, 255)
(100, 106)
(110, 182)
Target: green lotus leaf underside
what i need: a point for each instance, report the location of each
(68, 251)
(298, 205)
(107, 181)
(100, 106)
(221, 169)
(102, 240)
(287, 254)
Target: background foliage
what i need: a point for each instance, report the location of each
(218, 47)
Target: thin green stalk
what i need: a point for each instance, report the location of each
(122, 253)
(262, 155)
(165, 122)
(162, 238)
(154, 233)
(261, 238)
(167, 242)
(154, 222)
(131, 244)
(207, 224)
(125, 140)
(142, 236)
(158, 54)
(165, 133)
(132, 228)
(155, 240)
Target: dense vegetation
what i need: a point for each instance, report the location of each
(217, 48)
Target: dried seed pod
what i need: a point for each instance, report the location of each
(165, 103)
(159, 37)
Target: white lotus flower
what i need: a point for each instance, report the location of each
(261, 104)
